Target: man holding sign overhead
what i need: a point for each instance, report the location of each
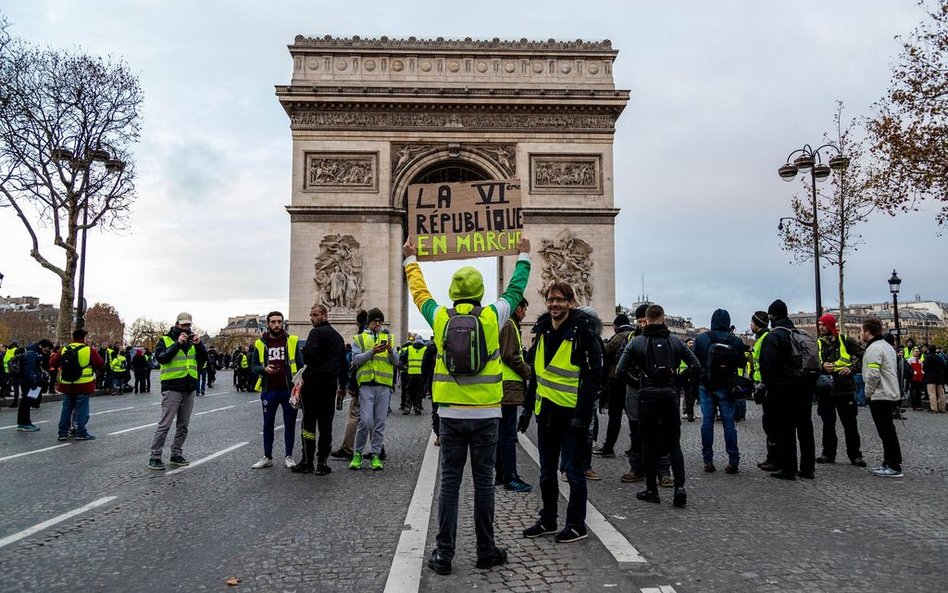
(468, 389)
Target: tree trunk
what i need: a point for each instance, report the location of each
(842, 300)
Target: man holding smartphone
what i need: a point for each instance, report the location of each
(178, 352)
(374, 361)
(273, 360)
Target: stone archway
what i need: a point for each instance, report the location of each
(370, 116)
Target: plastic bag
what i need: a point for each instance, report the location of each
(296, 400)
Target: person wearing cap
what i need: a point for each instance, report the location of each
(469, 406)
(792, 399)
(840, 358)
(615, 387)
(178, 352)
(374, 360)
(759, 327)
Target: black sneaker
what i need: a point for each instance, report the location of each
(438, 563)
(602, 452)
(156, 465)
(322, 468)
(538, 529)
(649, 496)
(571, 533)
(178, 460)
(681, 498)
(498, 557)
(303, 468)
(825, 459)
(340, 454)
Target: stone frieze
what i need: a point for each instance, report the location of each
(341, 171)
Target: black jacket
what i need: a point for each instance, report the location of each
(324, 355)
(776, 370)
(583, 329)
(638, 350)
(829, 349)
(164, 354)
(720, 333)
(934, 368)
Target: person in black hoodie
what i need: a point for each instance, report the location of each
(615, 387)
(791, 398)
(564, 385)
(658, 355)
(715, 389)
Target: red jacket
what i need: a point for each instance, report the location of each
(95, 361)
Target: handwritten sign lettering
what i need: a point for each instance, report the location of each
(462, 220)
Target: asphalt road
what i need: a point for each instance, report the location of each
(90, 516)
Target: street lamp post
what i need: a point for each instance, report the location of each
(894, 284)
(811, 160)
(85, 161)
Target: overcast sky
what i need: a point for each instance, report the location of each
(721, 93)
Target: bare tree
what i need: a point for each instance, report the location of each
(848, 203)
(910, 130)
(67, 124)
(146, 332)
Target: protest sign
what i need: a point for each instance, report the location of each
(462, 220)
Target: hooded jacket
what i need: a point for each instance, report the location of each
(720, 332)
(613, 348)
(776, 370)
(680, 352)
(583, 329)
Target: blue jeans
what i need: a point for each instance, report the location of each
(270, 400)
(506, 467)
(202, 381)
(720, 398)
(78, 404)
(457, 437)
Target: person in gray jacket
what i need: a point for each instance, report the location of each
(884, 395)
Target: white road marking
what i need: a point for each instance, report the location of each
(405, 574)
(31, 452)
(124, 430)
(110, 411)
(206, 459)
(615, 542)
(15, 425)
(659, 589)
(214, 410)
(50, 522)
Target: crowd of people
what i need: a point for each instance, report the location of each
(485, 386)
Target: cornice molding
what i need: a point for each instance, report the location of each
(441, 44)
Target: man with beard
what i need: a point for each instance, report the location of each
(274, 359)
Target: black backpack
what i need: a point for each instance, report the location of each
(69, 367)
(464, 344)
(659, 363)
(16, 363)
(722, 362)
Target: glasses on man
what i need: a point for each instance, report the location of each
(555, 300)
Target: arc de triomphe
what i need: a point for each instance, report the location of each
(371, 116)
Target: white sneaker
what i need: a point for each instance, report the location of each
(887, 472)
(264, 462)
(290, 464)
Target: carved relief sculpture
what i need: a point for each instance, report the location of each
(502, 155)
(341, 171)
(567, 258)
(566, 173)
(338, 273)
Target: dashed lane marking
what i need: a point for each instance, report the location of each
(206, 459)
(36, 451)
(615, 542)
(114, 410)
(50, 522)
(214, 410)
(659, 589)
(124, 430)
(405, 574)
(15, 425)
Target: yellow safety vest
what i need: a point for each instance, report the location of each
(756, 356)
(484, 389)
(843, 361)
(558, 382)
(291, 342)
(508, 373)
(84, 354)
(415, 357)
(378, 369)
(117, 364)
(7, 358)
(182, 365)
